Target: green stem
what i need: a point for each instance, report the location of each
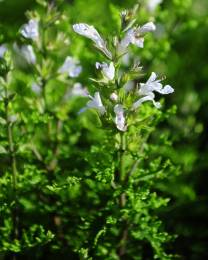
(44, 81)
(15, 233)
(124, 231)
(122, 159)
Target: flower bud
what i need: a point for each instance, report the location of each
(114, 96)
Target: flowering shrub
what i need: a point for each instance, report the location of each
(81, 172)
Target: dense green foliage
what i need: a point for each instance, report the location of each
(71, 184)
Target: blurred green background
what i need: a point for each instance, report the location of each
(178, 50)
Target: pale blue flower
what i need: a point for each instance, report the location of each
(91, 33)
(147, 91)
(71, 67)
(36, 88)
(76, 91)
(30, 30)
(136, 36)
(79, 90)
(96, 103)
(26, 52)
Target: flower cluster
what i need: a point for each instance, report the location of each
(112, 75)
(30, 31)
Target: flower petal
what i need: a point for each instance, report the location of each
(89, 32)
(140, 42)
(140, 101)
(152, 77)
(148, 27)
(167, 90)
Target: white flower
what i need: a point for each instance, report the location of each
(36, 88)
(147, 27)
(154, 85)
(71, 67)
(76, 91)
(136, 36)
(120, 119)
(152, 4)
(91, 33)
(114, 96)
(30, 30)
(147, 91)
(108, 71)
(96, 103)
(79, 90)
(26, 52)
(3, 49)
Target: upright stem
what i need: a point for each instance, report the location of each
(14, 168)
(124, 231)
(122, 166)
(122, 151)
